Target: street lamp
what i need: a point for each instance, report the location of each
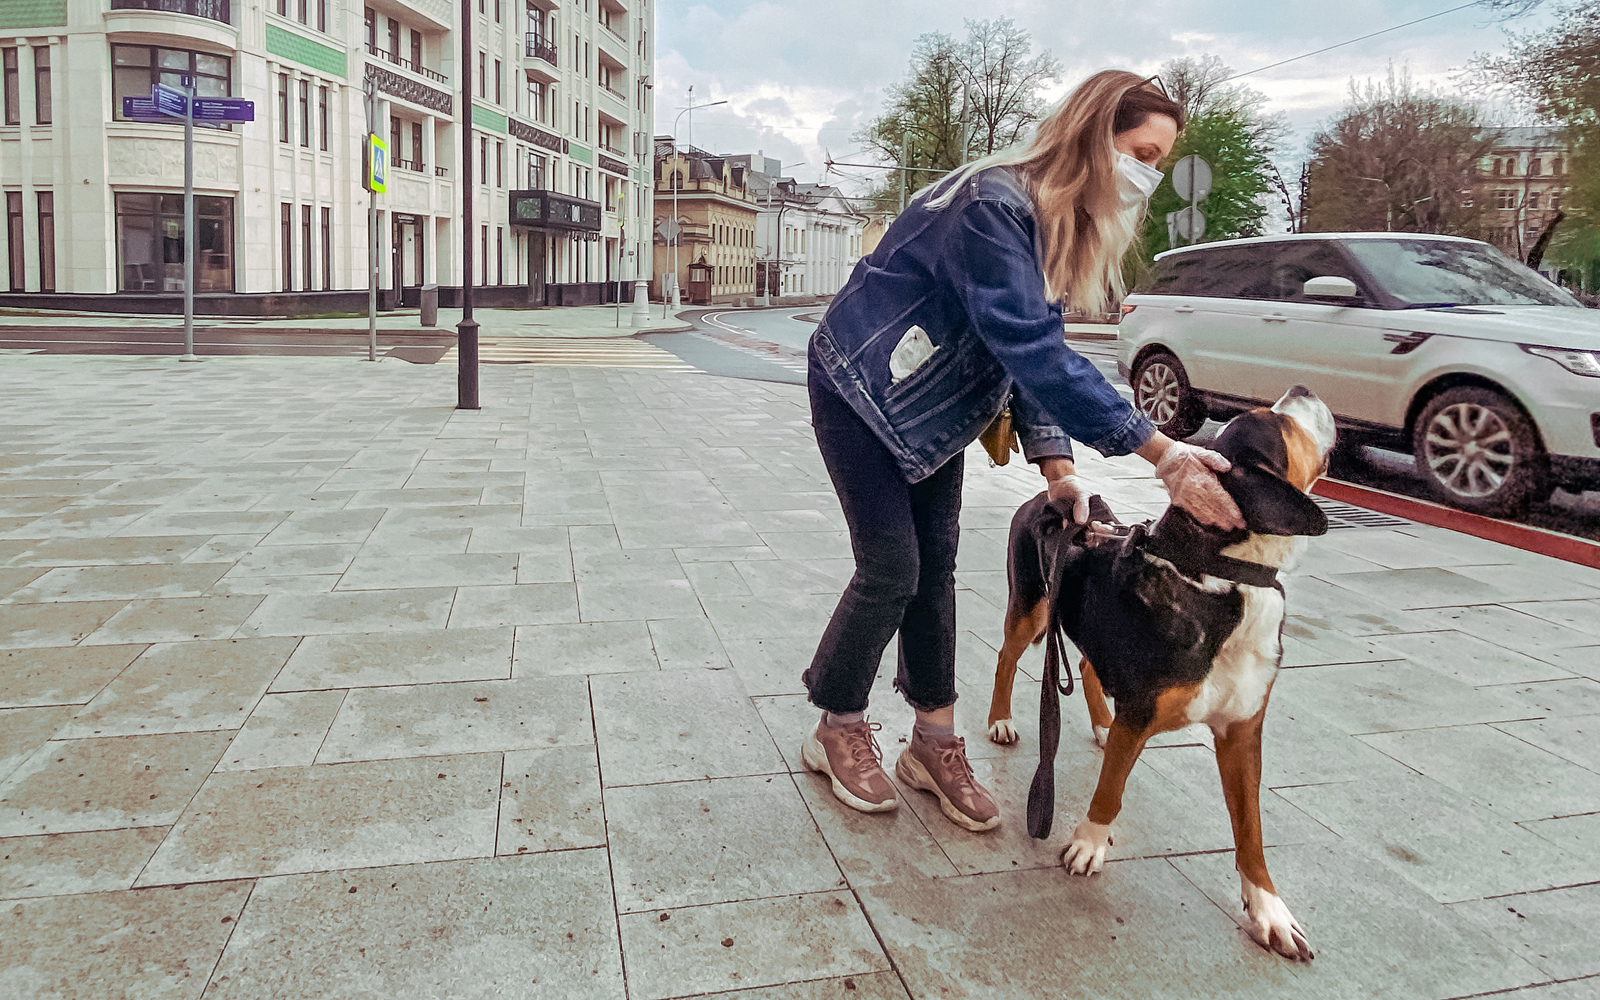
(677, 237)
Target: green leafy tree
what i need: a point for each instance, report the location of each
(1398, 157)
(1230, 129)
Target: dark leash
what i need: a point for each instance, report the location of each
(1053, 568)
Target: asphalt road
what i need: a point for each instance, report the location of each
(422, 348)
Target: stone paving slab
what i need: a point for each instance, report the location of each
(527, 681)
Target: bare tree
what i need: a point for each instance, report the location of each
(1201, 86)
(1002, 83)
(1399, 158)
(920, 126)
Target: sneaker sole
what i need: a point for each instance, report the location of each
(911, 773)
(816, 759)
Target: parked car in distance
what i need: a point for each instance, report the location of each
(1487, 373)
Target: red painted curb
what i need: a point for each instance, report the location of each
(1522, 536)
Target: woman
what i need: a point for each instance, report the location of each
(975, 269)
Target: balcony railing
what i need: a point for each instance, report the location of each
(441, 171)
(614, 151)
(402, 62)
(417, 166)
(213, 10)
(539, 47)
(619, 95)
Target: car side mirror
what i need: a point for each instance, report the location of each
(1342, 288)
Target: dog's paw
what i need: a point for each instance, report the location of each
(1270, 923)
(1003, 731)
(1085, 854)
(1101, 734)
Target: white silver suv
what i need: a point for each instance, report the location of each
(1485, 372)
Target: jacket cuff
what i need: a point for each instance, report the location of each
(1128, 438)
(1044, 442)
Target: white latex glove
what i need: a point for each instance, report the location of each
(1071, 490)
(1190, 474)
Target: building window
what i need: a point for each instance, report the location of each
(286, 233)
(497, 80)
(500, 164)
(1505, 198)
(1534, 166)
(14, 236)
(500, 254)
(372, 31)
(394, 138)
(283, 107)
(327, 249)
(416, 50)
(283, 8)
(322, 116)
(305, 113)
(1533, 200)
(497, 11)
(304, 13)
(1555, 167)
(536, 172)
(47, 241)
(150, 243)
(1555, 201)
(41, 84)
(483, 161)
(483, 255)
(483, 76)
(134, 68)
(416, 144)
(13, 88)
(307, 280)
(536, 100)
(322, 16)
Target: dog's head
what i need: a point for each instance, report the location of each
(1277, 455)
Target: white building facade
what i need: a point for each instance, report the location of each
(561, 104)
(808, 236)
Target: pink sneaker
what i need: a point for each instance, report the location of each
(850, 756)
(942, 768)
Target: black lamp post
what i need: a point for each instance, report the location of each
(467, 329)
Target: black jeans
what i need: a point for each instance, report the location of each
(904, 537)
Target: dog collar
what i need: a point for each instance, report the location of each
(1193, 560)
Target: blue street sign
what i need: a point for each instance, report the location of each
(224, 109)
(141, 109)
(169, 101)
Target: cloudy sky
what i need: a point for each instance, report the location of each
(801, 76)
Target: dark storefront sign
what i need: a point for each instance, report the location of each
(557, 212)
(607, 163)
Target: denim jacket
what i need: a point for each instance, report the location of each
(969, 275)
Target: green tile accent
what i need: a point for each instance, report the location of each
(304, 51)
(580, 154)
(33, 13)
(482, 117)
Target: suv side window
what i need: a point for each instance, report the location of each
(1283, 269)
(1223, 273)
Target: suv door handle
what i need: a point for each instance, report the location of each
(1275, 318)
(1183, 309)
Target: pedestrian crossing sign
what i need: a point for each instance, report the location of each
(375, 164)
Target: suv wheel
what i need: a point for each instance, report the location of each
(1161, 391)
(1478, 452)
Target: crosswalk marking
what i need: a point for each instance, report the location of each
(605, 352)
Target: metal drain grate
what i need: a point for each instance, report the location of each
(1344, 515)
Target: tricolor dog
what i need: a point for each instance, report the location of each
(1179, 623)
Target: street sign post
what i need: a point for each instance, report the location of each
(1191, 178)
(165, 103)
(375, 178)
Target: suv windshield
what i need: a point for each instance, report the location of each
(1430, 274)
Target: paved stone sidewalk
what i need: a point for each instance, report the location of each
(312, 686)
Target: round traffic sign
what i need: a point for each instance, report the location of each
(1190, 223)
(1191, 178)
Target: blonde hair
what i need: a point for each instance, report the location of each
(1070, 171)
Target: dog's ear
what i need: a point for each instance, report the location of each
(1269, 503)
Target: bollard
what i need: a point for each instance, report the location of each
(430, 305)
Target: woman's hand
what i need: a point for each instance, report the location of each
(1065, 488)
(1190, 474)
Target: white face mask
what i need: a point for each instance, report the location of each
(1136, 180)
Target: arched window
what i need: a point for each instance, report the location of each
(1534, 166)
(1497, 166)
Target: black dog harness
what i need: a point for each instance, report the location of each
(1188, 547)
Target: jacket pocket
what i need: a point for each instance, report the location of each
(897, 396)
